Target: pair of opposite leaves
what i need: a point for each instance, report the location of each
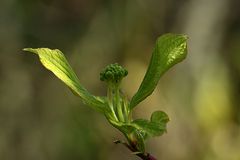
(169, 50)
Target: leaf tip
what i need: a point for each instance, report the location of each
(29, 50)
(26, 49)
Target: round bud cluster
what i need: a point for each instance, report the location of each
(113, 73)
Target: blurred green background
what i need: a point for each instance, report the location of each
(40, 119)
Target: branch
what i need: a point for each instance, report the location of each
(146, 156)
(143, 156)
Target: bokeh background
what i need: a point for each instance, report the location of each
(41, 119)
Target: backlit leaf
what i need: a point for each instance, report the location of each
(55, 61)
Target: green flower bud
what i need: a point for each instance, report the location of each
(113, 73)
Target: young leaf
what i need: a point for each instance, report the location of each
(137, 140)
(159, 117)
(55, 61)
(139, 130)
(134, 136)
(169, 50)
(155, 127)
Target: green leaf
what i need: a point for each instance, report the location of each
(134, 136)
(139, 130)
(159, 117)
(138, 140)
(155, 127)
(169, 50)
(55, 61)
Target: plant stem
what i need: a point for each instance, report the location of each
(143, 156)
(110, 102)
(118, 104)
(146, 157)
